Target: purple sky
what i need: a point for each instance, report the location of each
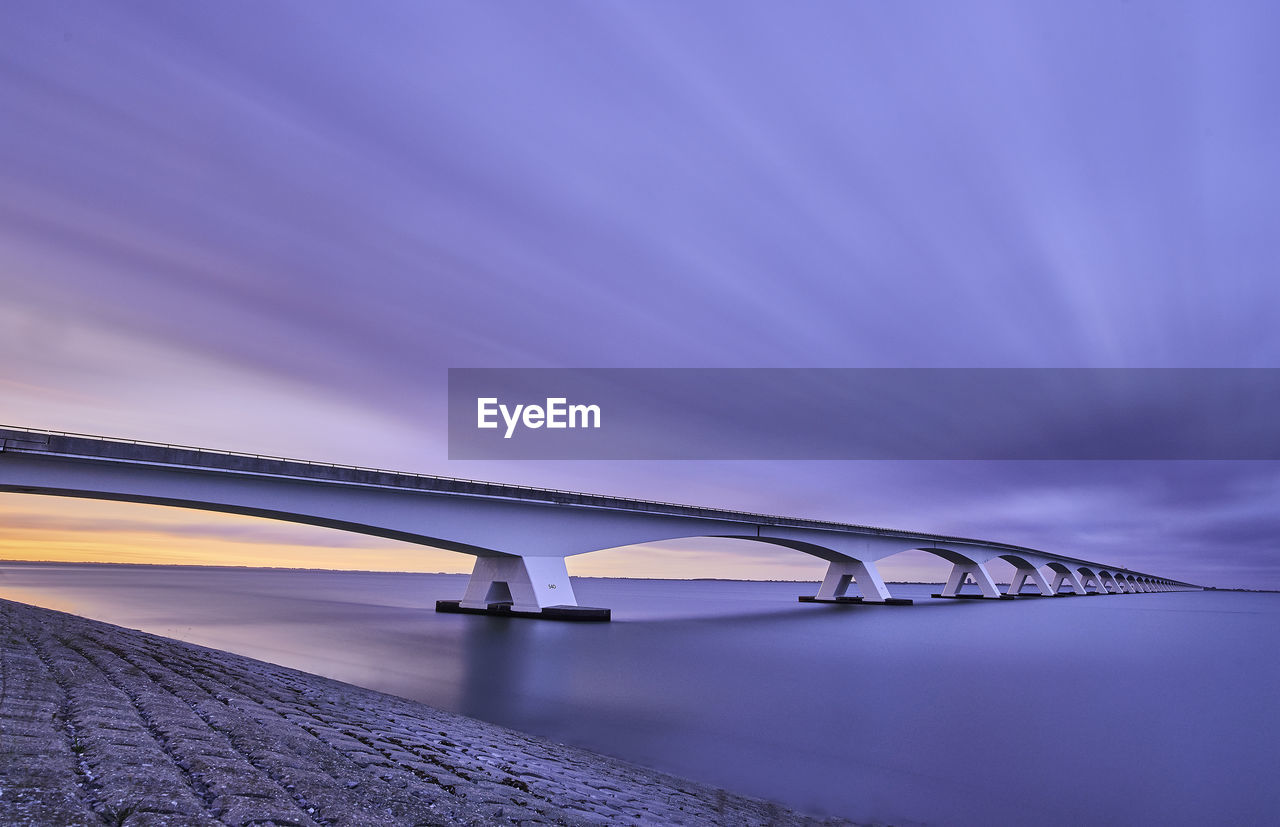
(272, 228)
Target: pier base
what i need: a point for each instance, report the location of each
(888, 601)
(844, 572)
(963, 571)
(527, 584)
(1020, 578)
(1062, 575)
(578, 613)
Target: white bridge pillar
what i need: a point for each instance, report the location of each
(841, 572)
(1070, 577)
(961, 571)
(529, 584)
(1096, 580)
(1021, 576)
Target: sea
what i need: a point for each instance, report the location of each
(1160, 709)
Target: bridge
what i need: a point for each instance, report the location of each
(519, 535)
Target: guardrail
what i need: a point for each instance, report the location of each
(755, 517)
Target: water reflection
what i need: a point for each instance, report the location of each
(501, 661)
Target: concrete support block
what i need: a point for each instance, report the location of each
(841, 573)
(961, 571)
(1096, 580)
(529, 584)
(1071, 578)
(1022, 575)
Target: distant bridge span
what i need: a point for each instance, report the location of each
(519, 535)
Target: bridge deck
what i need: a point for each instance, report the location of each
(90, 447)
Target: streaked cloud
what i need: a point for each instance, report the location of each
(271, 228)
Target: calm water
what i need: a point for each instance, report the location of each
(1139, 709)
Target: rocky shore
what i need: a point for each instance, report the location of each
(104, 725)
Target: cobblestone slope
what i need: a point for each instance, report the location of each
(103, 725)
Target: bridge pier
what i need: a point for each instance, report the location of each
(960, 572)
(1020, 577)
(1069, 577)
(1096, 580)
(520, 586)
(841, 573)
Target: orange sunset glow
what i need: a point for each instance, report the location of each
(68, 530)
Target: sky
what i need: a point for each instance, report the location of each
(274, 227)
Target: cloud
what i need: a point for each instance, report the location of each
(277, 236)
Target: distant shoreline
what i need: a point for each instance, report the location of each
(100, 564)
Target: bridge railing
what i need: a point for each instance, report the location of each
(562, 494)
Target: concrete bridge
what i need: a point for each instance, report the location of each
(520, 536)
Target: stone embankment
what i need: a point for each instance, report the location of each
(104, 725)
